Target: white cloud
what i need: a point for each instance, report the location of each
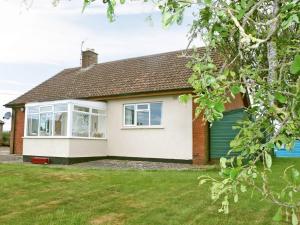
(12, 82)
(5, 97)
(45, 34)
(97, 7)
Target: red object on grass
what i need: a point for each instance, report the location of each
(39, 160)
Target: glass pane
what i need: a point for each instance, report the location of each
(60, 124)
(142, 106)
(45, 108)
(98, 126)
(45, 124)
(33, 109)
(98, 111)
(81, 108)
(60, 107)
(155, 109)
(80, 124)
(32, 125)
(143, 118)
(129, 115)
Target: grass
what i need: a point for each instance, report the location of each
(41, 195)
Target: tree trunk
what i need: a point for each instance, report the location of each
(271, 45)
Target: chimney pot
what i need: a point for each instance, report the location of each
(88, 58)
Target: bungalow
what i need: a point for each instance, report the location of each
(122, 109)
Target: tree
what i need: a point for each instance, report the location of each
(259, 43)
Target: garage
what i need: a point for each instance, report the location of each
(221, 133)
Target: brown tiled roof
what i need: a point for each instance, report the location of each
(160, 72)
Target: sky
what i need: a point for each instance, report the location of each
(37, 40)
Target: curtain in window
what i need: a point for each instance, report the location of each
(80, 124)
(129, 115)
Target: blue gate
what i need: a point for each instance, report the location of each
(293, 153)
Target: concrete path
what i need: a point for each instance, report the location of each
(4, 150)
(139, 165)
(5, 157)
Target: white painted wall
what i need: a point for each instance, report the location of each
(64, 147)
(46, 147)
(173, 141)
(87, 147)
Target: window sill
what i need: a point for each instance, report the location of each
(58, 137)
(141, 127)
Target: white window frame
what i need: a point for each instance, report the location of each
(136, 110)
(60, 111)
(52, 117)
(26, 124)
(70, 109)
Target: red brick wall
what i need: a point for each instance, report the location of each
(236, 103)
(12, 140)
(201, 132)
(200, 139)
(17, 131)
(1, 131)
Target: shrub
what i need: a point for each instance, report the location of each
(5, 138)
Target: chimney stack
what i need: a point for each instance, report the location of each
(88, 58)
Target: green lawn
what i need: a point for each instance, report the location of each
(48, 195)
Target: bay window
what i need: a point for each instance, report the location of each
(143, 114)
(46, 124)
(60, 119)
(67, 118)
(80, 124)
(32, 124)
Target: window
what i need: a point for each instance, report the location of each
(66, 119)
(46, 109)
(33, 109)
(88, 123)
(32, 124)
(155, 112)
(80, 108)
(143, 114)
(80, 124)
(60, 124)
(60, 119)
(98, 124)
(61, 108)
(46, 124)
(129, 115)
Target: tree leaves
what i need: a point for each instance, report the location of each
(207, 2)
(268, 160)
(294, 218)
(290, 21)
(110, 11)
(295, 175)
(295, 67)
(223, 162)
(86, 3)
(184, 98)
(280, 97)
(219, 106)
(278, 216)
(235, 89)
